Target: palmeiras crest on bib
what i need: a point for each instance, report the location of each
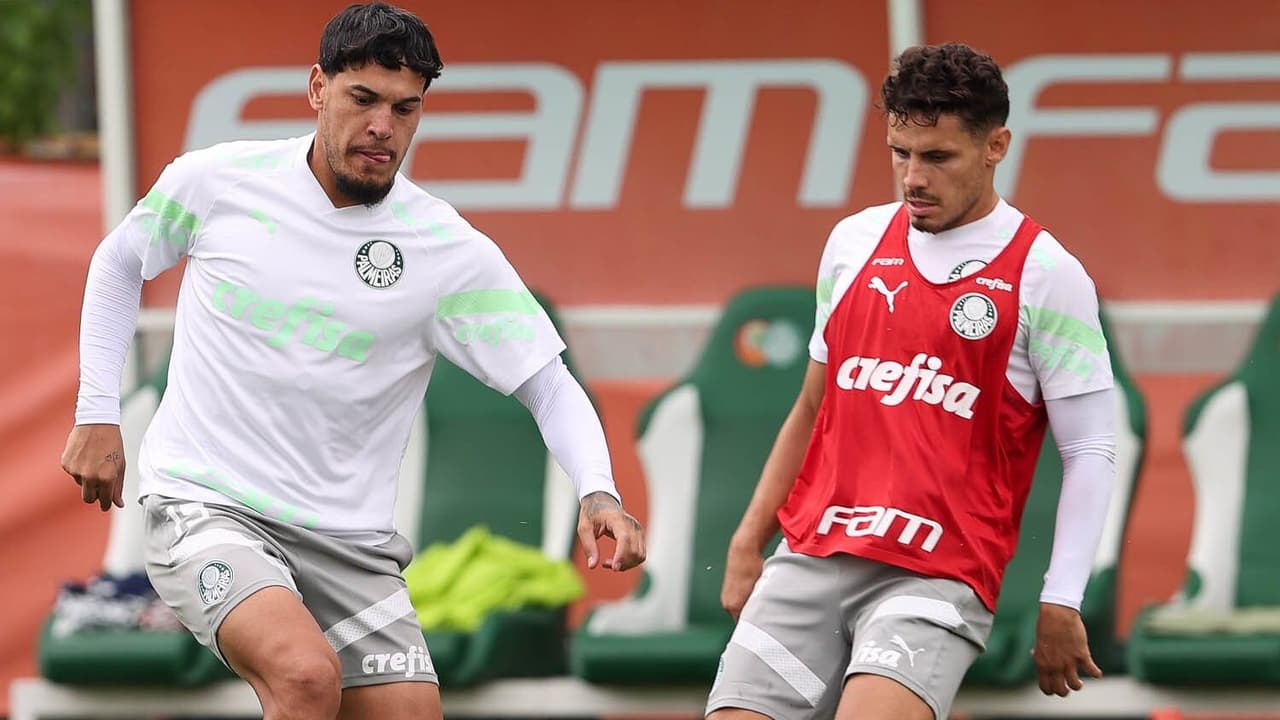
(214, 581)
(973, 316)
(379, 263)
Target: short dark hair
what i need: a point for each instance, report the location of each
(931, 80)
(378, 32)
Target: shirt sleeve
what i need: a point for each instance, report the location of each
(152, 238)
(163, 227)
(488, 323)
(1084, 430)
(108, 319)
(570, 427)
(1067, 349)
(849, 245)
(825, 290)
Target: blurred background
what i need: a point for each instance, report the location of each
(645, 166)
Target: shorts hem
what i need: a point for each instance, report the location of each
(744, 704)
(234, 602)
(353, 681)
(902, 679)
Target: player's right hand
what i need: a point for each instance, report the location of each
(1062, 650)
(94, 457)
(742, 569)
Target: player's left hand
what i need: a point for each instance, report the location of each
(601, 515)
(1062, 650)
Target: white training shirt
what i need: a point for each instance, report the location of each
(1059, 350)
(305, 334)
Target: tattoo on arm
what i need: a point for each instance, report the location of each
(599, 501)
(114, 457)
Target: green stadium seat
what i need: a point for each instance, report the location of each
(702, 444)
(477, 458)
(129, 657)
(1223, 627)
(1007, 660)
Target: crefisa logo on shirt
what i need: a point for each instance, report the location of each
(922, 380)
(973, 316)
(379, 263)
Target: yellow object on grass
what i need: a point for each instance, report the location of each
(453, 586)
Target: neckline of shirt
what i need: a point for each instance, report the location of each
(316, 194)
(1002, 222)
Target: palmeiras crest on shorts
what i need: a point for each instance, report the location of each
(379, 264)
(214, 581)
(973, 316)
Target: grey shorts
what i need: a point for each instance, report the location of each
(204, 559)
(812, 622)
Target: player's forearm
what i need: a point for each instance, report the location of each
(570, 428)
(760, 521)
(1083, 428)
(108, 320)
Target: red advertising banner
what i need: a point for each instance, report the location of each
(674, 152)
(618, 152)
(1146, 135)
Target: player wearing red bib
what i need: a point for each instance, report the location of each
(951, 331)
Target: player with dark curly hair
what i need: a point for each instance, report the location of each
(319, 288)
(951, 332)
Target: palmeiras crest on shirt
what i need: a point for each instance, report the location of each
(965, 268)
(214, 581)
(379, 263)
(973, 316)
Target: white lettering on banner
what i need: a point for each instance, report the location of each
(731, 87)
(550, 130)
(896, 381)
(1187, 173)
(878, 520)
(1183, 171)
(1026, 79)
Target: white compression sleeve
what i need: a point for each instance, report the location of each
(108, 320)
(1084, 430)
(570, 427)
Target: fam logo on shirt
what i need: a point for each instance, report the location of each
(379, 264)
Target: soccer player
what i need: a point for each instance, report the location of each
(319, 288)
(951, 329)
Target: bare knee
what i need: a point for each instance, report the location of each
(272, 641)
(875, 697)
(392, 701)
(302, 686)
